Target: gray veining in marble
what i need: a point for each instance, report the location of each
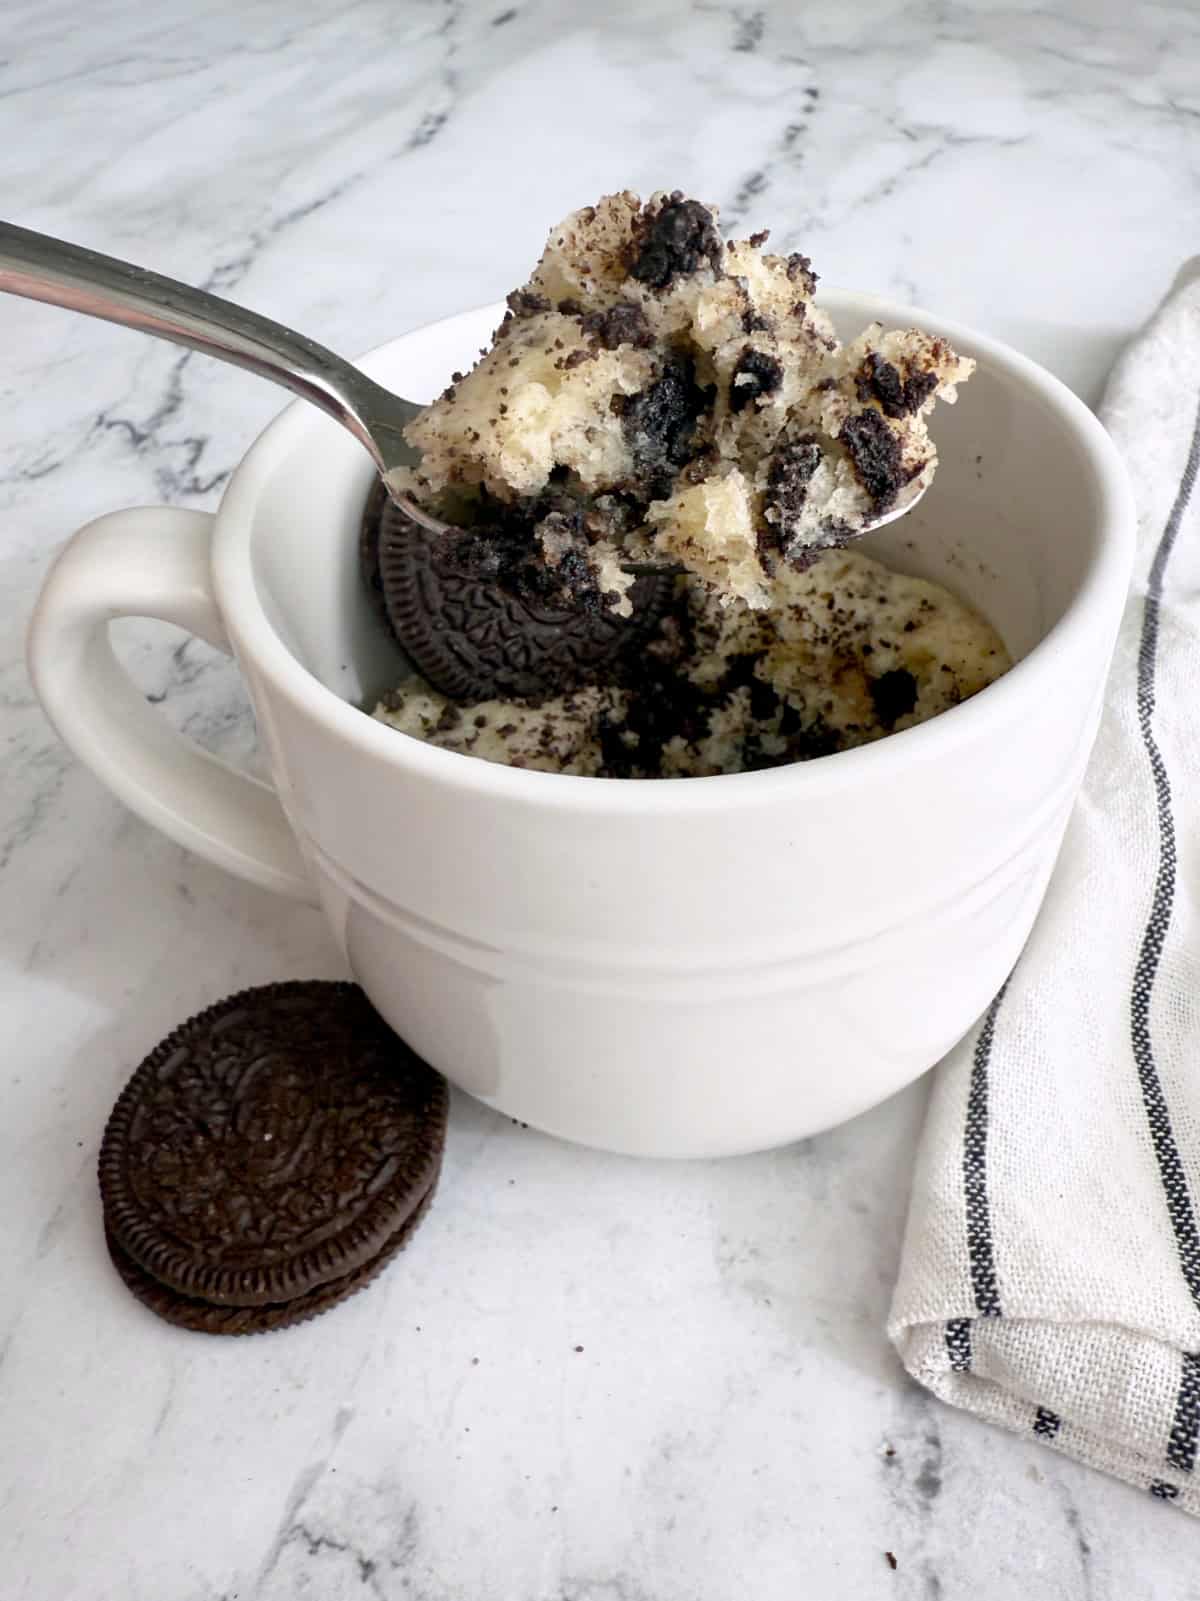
(588, 1379)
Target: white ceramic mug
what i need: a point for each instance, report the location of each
(687, 967)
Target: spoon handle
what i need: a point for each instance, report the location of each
(40, 267)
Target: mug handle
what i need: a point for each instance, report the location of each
(152, 561)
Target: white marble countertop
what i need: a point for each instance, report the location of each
(588, 1379)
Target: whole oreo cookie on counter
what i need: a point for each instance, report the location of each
(269, 1158)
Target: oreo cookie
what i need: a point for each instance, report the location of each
(203, 1317)
(368, 551)
(476, 638)
(269, 1158)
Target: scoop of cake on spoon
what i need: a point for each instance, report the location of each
(672, 404)
(658, 398)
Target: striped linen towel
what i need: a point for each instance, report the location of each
(1050, 1278)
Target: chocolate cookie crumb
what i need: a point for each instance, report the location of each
(525, 303)
(621, 324)
(660, 424)
(893, 695)
(799, 268)
(875, 452)
(788, 475)
(899, 397)
(755, 374)
(676, 240)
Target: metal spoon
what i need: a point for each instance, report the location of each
(40, 267)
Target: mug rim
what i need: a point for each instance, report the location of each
(1096, 603)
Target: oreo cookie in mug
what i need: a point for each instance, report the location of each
(477, 617)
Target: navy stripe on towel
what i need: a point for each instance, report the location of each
(1181, 1449)
(1046, 1424)
(1174, 1180)
(1181, 1446)
(958, 1344)
(979, 1218)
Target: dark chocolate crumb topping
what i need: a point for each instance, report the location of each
(753, 322)
(660, 425)
(788, 475)
(755, 374)
(765, 700)
(799, 269)
(526, 303)
(894, 695)
(505, 549)
(675, 240)
(621, 324)
(875, 452)
(578, 581)
(664, 704)
(879, 380)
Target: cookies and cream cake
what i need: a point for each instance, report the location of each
(658, 398)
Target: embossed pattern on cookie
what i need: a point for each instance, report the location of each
(473, 638)
(273, 1144)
